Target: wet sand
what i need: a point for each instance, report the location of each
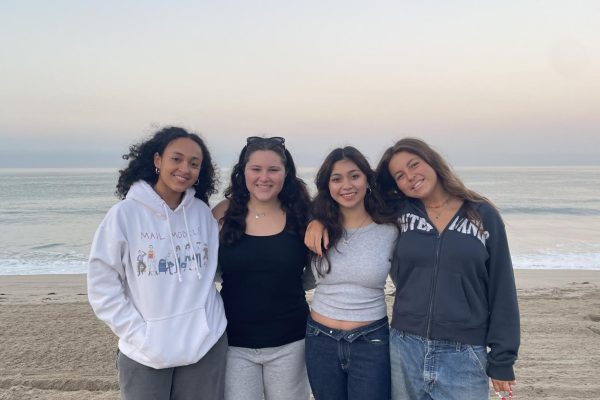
(53, 347)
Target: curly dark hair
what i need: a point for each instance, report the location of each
(141, 163)
(446, 176)
(327, 211)
(294, 196)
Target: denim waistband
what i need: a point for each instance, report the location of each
(351, 335)
(433, 342)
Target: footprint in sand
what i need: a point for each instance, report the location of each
(593, 317)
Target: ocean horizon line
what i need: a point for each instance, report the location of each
(466, 167)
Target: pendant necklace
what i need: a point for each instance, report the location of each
(347, 238)
(258, 215)
(442, 208)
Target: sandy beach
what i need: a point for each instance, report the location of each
(53, 347)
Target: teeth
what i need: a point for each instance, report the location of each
(180, 178)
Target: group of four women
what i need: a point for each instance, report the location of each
(443, 245)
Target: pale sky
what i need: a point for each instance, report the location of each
(486, 83)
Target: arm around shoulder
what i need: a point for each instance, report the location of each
(219, 211)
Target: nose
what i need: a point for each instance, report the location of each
(263, 175)
(186, 167)
(346, 183)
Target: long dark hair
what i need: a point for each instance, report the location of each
(294, 196)
(141, 163)
(327, 211)
(446, 176)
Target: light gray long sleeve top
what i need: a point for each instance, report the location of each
(354, 288)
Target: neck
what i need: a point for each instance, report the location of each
(436, 199)
(173, 199)
(264, 206)
(354, 218)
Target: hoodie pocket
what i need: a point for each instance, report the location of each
(177, 340)
(451, 303)
(412, 296)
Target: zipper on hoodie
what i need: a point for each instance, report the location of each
(436, 268)
(436, 264)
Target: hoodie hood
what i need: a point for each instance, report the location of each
(151, 278)
(142, 192)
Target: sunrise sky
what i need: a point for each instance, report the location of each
(486, 83)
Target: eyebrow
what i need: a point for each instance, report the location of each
(410, 160)
(347, 173)
(261, 166)
(181, 154)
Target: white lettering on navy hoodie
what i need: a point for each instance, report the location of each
(151, 278)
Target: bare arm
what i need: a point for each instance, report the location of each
(315, 233)
(219, 211)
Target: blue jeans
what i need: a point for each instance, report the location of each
(424, 369)
(353, 365)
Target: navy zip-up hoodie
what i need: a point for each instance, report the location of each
(458, 284)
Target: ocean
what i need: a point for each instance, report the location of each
(48, 216)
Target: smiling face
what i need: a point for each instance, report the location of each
(179, 168)
(347, 184)
(413, 176)
(264, 174)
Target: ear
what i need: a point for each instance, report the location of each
(157, 160)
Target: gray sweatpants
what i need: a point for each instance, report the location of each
(272, 373)
(204, 380)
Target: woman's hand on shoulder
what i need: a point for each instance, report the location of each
(219, 211)
(315, 234)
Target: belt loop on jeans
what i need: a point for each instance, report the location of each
(458, 346)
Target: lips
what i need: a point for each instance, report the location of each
(348, 196)
(417, 184)
(180, 178)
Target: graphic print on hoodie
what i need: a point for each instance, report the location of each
(147, 288)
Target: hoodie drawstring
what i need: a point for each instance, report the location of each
(172, 243)
(189, 237)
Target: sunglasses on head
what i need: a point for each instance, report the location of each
(277, 140)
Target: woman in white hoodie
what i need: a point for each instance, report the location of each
(165, 309)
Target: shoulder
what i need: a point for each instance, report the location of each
(123, 208)
(487, 211)
(220, 209)
(386, 229)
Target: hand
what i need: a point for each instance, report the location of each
(502, 386)
(315, 233)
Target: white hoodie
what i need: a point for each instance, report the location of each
(144, 281)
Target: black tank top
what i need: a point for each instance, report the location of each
(262, 290)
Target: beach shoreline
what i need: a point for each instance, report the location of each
(53, 347)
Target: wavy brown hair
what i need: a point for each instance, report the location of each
(446, 176)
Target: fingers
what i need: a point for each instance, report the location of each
(315, 232)
(313, 242)
(502, 386)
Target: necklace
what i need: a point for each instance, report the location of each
(347, 238)
(441, 206)
(260, 214)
